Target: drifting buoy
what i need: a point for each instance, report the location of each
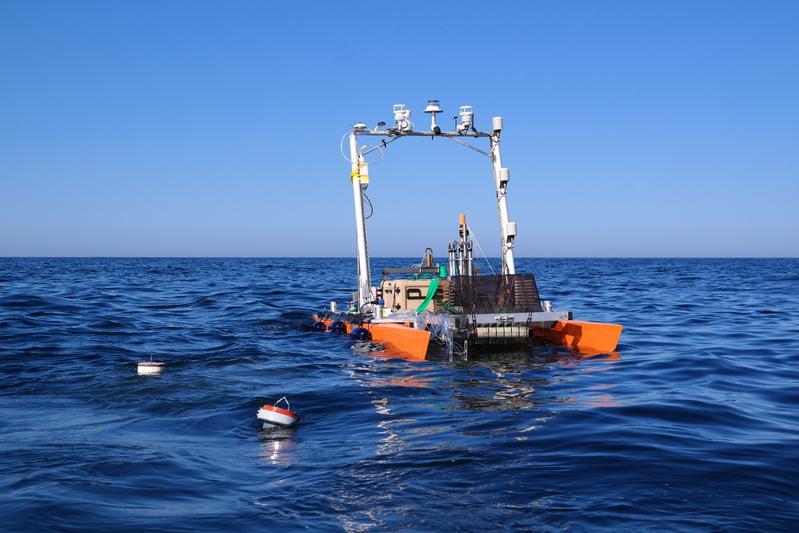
(360, 334)
(272, 414)
(149, 368)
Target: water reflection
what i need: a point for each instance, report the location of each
(391, 443)
(404, 381)
(532, 382)
(520, 380)
(600, 396)
(610, 356)
(278, 445)
(440, 408)
(499, 381)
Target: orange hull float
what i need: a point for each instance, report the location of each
(584, 337)
(398, 338)
(402, 339)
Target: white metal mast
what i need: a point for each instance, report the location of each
(404, 128)
(364, 281)
(507, 229)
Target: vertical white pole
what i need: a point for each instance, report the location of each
(508, 265)
(364, 282)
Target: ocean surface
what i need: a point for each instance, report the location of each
(692, 425)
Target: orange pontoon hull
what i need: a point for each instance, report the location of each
(584, 337)
(399, 338)
(587, 338)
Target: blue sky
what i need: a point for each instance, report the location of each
(195, 129)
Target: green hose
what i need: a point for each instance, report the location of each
(431, 292)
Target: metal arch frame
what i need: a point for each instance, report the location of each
(365, 296)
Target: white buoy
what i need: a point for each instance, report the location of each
(149, 368)
(272, 414)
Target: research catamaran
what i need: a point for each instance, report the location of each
(452, 309)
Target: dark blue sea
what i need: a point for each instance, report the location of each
(693, 425)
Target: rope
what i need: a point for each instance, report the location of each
(474, 238)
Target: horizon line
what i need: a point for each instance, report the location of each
(387, 257)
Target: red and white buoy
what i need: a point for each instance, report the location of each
(150, 368)
(272, 414)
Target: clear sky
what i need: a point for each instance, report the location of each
(191, 128)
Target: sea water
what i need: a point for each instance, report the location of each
(693, 424)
